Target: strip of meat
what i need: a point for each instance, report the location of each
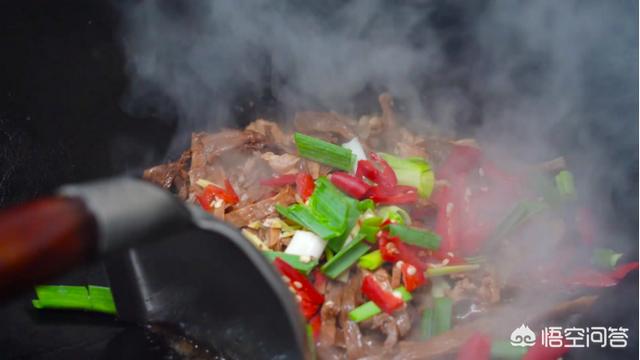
(353, 340)
(172, 176)
(206, 148)
(282, 164)
(329, 313)
(323, 123)
(260, 210)
(388, 114)
(351, 331)
(272, 134)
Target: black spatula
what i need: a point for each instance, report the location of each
(168, 263)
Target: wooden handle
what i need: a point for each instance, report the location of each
(41, 239)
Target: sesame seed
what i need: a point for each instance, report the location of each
(399, 263)
(411, 270)
(445, 261)
(286, 279)
(449, 208)
(299, 298)
(297, 284)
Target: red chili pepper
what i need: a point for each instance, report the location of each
(472, 229)
(386, 300)
(392, 250)
(304, 185)
(477, 347)
(590, 278)
(409, 255)
(211, 191)
(232, 193)
(389, 247)
(396, 195)
(309, 309)
(412, 277)
(541, 352)
(387, 177)
(350, 185)
(205, 199)
(281, 180)
(445, 220)
(462, 159)
(597, 279)
(316, 324)
(368, 170)
(621, 271)
(310, 299)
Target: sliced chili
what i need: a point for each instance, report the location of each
(304, 185)
(316, 324)
(445, 220)
(386, 300)
(462, 159)
(350, 185)
(398, 195)
(211, 192)
(233, 196)
(366, 169)
(386, 177)
(310, 299)
(412, 277)
(477, 347)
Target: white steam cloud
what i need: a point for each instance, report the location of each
(541, 78)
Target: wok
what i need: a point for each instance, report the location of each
(61, 121)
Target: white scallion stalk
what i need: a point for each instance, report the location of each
(357, 149)
(305, 243)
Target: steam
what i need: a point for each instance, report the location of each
(538, 78)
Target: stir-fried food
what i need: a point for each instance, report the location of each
(396, 245)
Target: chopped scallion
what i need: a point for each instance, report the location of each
(426, 324)
(442, 309)
(324, 152)
(564, 183)
(366, 204)
(418, 237)
(369, 227)
(370, 309)
(447, 270)
(294, 260)
(395, 214)
(605, 258)
(413, 171)
(303, 216)
(91, 298)
(346, 257)
(371, 261)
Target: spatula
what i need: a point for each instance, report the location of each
(168, 263)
